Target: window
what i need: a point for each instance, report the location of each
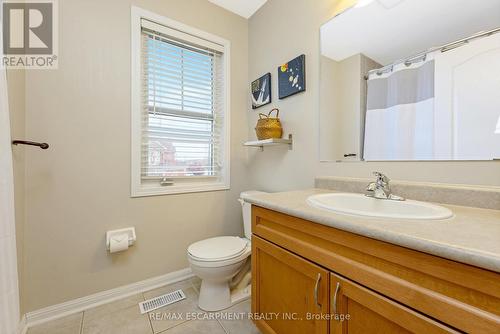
(180, 115)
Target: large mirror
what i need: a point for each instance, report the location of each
(411, 80)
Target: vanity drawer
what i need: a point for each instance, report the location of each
(462, 296)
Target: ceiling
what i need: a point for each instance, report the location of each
(387, 33)
(245, 8)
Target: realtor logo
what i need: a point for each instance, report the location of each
(29, 34)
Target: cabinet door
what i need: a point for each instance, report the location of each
(289, 294)
(358, 310)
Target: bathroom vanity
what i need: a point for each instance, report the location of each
(346, 274)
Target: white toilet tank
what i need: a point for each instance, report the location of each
(246, 209)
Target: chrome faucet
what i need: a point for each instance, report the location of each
(381, 188)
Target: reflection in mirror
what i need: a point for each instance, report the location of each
(383, 98)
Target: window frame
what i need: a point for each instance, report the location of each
(187, 184)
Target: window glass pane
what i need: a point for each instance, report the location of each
(178, 127)
(179, 147)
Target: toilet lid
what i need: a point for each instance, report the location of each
(218, 248)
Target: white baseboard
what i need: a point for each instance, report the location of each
(87, 302)
(23, 325)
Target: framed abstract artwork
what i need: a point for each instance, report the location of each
(261, 91)
(292, 77)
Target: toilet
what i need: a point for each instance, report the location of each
(223, 264)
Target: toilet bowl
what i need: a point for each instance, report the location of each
(218, 262)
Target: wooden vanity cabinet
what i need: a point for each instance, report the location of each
(287, 288)
(339, 282)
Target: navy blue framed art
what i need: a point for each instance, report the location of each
(292, 77)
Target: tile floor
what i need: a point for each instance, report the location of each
(184, 317)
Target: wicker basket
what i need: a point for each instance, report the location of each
(269, 127)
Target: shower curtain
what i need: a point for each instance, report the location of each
(9, 290)
(399, 122)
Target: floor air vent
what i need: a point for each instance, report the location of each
(160, 301)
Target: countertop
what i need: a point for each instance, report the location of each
(471, 236)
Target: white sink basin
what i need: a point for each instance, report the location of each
(361, 205)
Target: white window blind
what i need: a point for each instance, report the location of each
(182, 123)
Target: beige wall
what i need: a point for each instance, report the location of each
(342, 106)
(340, 92)
(329, 92)
(16, 88)
(279, 32)
(80, 187)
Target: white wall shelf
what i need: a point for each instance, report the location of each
(270, 142)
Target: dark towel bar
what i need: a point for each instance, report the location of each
(43, 146)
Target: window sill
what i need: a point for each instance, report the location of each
(144, 191)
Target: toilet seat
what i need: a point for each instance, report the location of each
(219, 251)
